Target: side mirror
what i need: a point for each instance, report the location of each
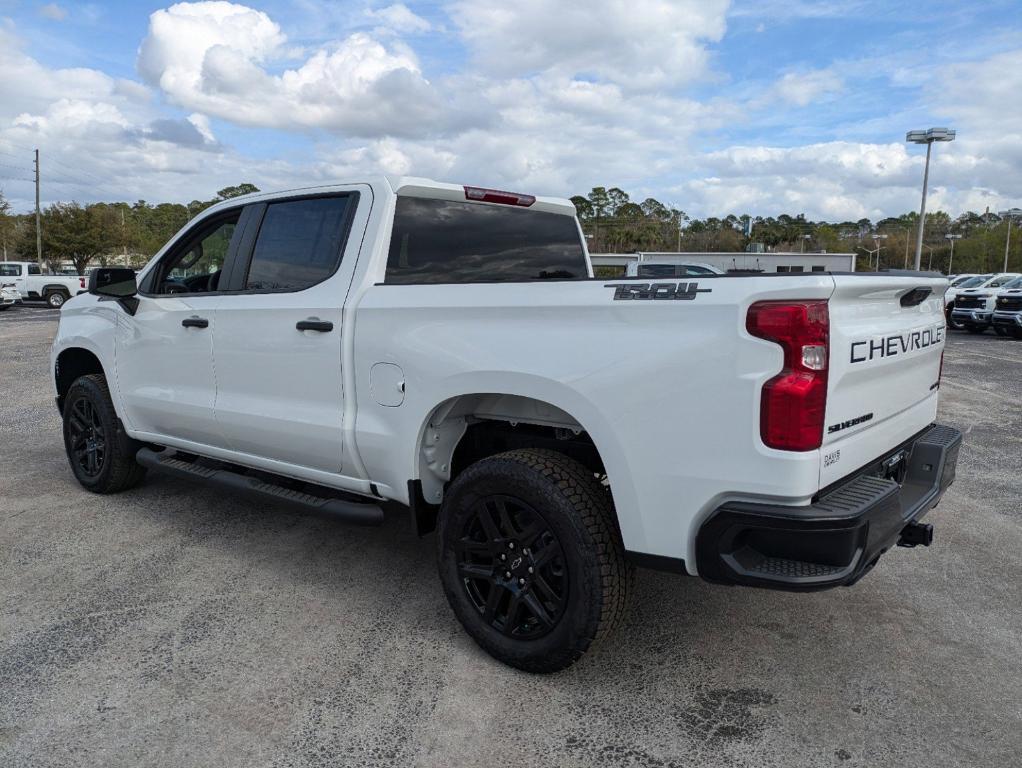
(115, 282)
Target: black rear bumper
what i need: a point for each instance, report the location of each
(836, 540)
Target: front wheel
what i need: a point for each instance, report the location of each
(1000, 331)
(56, 299)
(101, 455)
(951, 322)
(531, 559)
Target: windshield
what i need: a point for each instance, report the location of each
(1016, 283)
(972, 282)
(957, 282)
(1001, 281)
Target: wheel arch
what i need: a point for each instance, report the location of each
(471, 425)
(71, 364)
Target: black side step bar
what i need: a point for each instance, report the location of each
(349, 511)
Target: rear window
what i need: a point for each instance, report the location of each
(671, 270)
(445, 241)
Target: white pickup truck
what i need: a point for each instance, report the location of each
(447, 348)
(31, 283)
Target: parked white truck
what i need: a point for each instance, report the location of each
(974, 307)
(447, 348)
(31, 283)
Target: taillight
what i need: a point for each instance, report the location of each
(497, 196)
(794, 402)
(81, 282)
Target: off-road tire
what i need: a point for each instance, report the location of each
(56, 299)
(951, 322)
(1000, 331)
(119, 471)
(578, 511)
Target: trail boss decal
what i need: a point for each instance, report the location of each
(889, 346)
(651, 291)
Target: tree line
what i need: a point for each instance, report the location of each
(614, 223)
(105, 233)
(130, 233)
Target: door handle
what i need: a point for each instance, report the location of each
(195, 322)
(314, 325)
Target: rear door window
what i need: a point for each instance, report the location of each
(447, 241)
(10, 270)
(300, 243)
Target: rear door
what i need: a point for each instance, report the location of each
(279, 331)
(886, 341)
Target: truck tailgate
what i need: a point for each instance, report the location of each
(886, 340)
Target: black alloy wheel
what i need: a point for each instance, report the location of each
(101, 455)
(530, 558)
(512, 567)
(86, 437)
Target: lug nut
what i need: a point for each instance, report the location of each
(503, 556)
(510, 545)
(507, 574)
(521, 582)
(531, 569)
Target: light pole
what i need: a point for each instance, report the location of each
(879, 247)
(926, 137)
(1010, 214)
(951, 260)
(802, 244)
(876, 250)
(929, 264)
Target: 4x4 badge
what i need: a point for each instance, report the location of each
(651, 291)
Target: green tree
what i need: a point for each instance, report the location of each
(76, 233)
(7, 225)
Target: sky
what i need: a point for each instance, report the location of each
(715, 107)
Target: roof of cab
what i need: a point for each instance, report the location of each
(409, 186)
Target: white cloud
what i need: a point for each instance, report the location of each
(642, 44)
(803, 88)
(399, 19)
(212, 57)
(53, 12)
(550, 101)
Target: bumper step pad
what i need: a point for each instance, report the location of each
(838, 538)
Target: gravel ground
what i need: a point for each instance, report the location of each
(180, 627)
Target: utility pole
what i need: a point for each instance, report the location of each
(38, 218)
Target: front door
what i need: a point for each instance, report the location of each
(164, 356)
(278, 337)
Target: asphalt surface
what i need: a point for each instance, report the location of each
(179, 627)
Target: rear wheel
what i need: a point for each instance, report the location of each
(531, 559)
(56, 299)
(101, 455)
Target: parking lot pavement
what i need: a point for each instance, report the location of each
(182, 627)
